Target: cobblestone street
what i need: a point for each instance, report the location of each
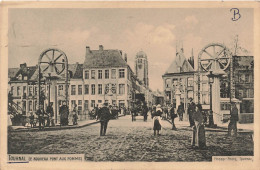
(129, 141)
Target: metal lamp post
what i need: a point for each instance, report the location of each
(211, 81)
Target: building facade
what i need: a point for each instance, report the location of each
(104, 77)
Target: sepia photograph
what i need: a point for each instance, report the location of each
(130, 84)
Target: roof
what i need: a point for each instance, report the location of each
(179, 65)
(141, 54)
(104, 58)
(24, 71)
(12, 72)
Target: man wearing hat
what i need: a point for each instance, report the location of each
(233, 120)
(103, 116)
(191, 110)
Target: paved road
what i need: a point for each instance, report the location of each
(129, 141)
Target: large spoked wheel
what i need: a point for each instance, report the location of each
(52, 60)
(215, 53)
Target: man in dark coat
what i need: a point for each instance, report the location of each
(50, 114)
(173, 116)
(104, 116)
(145, 112)
(191, 110)
(64, 114)
(41, 113)
(233, 120)
(180, 111)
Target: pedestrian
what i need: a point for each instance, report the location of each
(180, 111)
(145, 112)
(166, 112)
(133, 110)
(153, 111)
(75, 115)
(31, 117)
(173, 116)
(50, 114)
(41, 113)
(191, 110)
(233, 120)
(64, 114)
(157, 125)
(103, 116)
(198, 136)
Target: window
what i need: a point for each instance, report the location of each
(30, 106)
(80, 106)
(35, 105)
(30, 90)
(106, 74)
(99, 101)
(106, 88)
(113, 102)
(106, 101)
(93, 74)
(168, 94)
(241, 77)
(86, 104)
(18, 91)
(86, 74)
(121, 89)
(12, 89)
(225, 106)
(113, 88)
(93, 90)
(60, 91)
(190, 82)
(205, 98)
(247, 78)
(86, 89)
(240, 93)
(100, 89)
(35, 90)
(73, 103)
(121, 73)
(113, 73)
(24, 90)
(168, 83)
(99, 74)
(73, 89)
(79, 89)
(93, 103)
(190, 94)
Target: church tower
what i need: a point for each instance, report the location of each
(141, 68)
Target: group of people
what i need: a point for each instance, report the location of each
(115, 111)
(45, 118)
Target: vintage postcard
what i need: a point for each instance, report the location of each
(129, 85)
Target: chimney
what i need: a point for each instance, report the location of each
(87, 50)
(101, 48)
(125, 57)
(22, 66)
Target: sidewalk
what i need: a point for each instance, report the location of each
(221, 127)
(82, 123)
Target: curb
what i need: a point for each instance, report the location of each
(55, 127)
(221, 129)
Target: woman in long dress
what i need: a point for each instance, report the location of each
(157, 125)
(198, 137)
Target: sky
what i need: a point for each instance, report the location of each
(157, 32)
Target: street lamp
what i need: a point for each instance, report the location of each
(211, 81)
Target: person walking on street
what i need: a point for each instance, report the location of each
(103, 116)
(157, 125)
(145, 112)
(180, 111)
(233, 120)
(41, 113)
(64, 114)
(191, 110)
(31, 117)
(50, 113)
(75, 115)
(173, 116)
(198, 136)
